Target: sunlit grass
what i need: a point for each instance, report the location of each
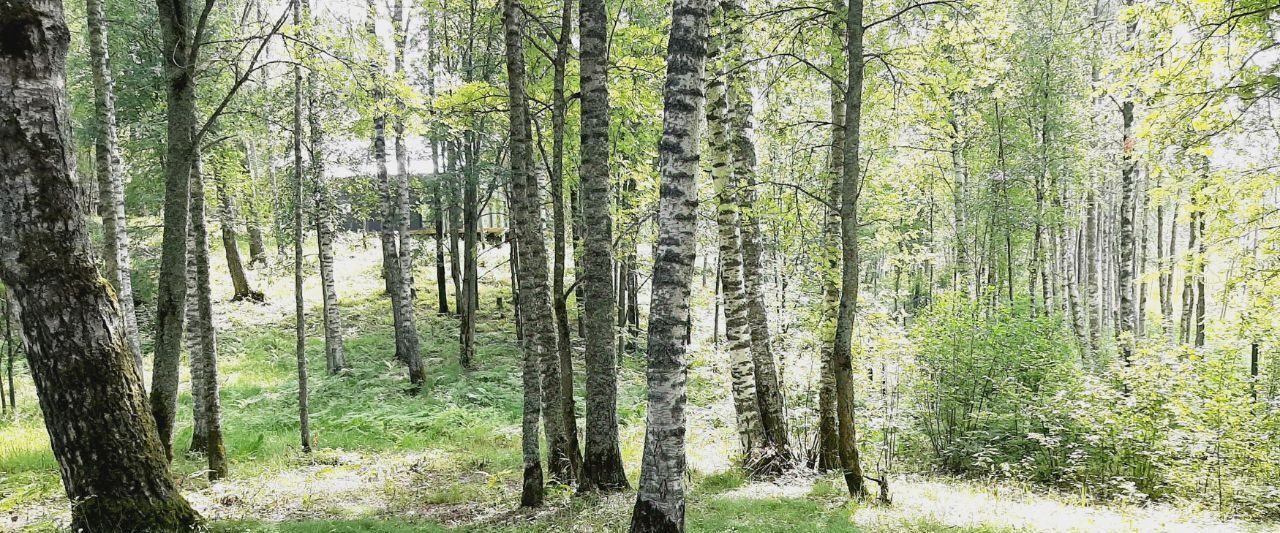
(449, 457)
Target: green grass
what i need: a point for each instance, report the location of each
(446, 458)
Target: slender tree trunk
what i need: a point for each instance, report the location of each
(467, 299)
(180, 150)
(660, 501)
(115, 234)
(558, 296)
(1090, 274)
(1188, 277)
(253, 222)
(404, 239)
(455, 224)
(442, 287)
(111, 459)
(1200, 258)
(1126, 325)
(395, 219)
(231, 248)
(539, 332)
(737, 331)
(768, 387)
(326, 207)
(602, 468)
(207, 385)
(851, 185)
(195, 350)
(299, 316)
(828, 436)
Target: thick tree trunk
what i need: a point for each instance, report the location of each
(737, 333)
(171, 295)
(660, 501)
(602, 468)
(850, 188)
(768, 389)
(110, 456)
(326, 207)
(115, 235)
(558, 296)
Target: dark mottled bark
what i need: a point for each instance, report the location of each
(326, 208)
(851, 183)
(176, 28)
(558, 297)
(394, 197)
(206, 387)
(112, 461)
(776, 447)
(539, 338)
(602, 468)
(299, 309)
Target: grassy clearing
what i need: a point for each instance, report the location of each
(449, 457)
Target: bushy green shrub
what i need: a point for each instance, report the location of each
(983, 374)
(999, 394)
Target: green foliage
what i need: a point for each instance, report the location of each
(983, 374)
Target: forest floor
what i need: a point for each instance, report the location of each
(449, 458)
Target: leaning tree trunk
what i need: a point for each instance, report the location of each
(180, 151)
(777, 448)
(660, 500)
(230, 246)
(115, 235)
(112, 461)
(207, 385)
(539, 334)
(602, 468)
(737, 333)
(850, 188)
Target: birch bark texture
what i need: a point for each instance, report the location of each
(115, 234)
(602, 468)
(112, 461)
(737, 335)
(535, 306)
(660, 500)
